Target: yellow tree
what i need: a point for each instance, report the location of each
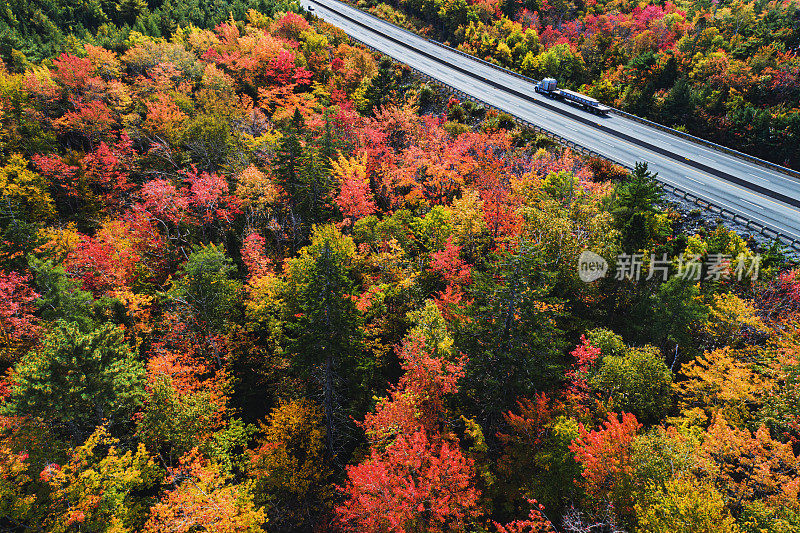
(98, 487)
(15, 503)
(733, 322)
(718, 381)
(202, 498)
(685, 505)
(23, 191)
(289, 463)
(466, 216)
(258, 193)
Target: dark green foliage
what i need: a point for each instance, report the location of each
(474, 110)
(298, 123)
(456, 113)
(317, 188)
(636, 203)
(773, 258)
(31, 31)
(304, 173)
(513, 341)
(677, 109)
(77, 380)
(327, 320)
(327, 144)
(17, 240)
(206, 288)
(505, 121)
(323, 328)
(671, 317)
(382, 87)
(557, 466)
(287, 162)
(426, 97)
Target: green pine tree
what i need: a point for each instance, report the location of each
(325, 338)
(512, 340)
(382, 87)
(288, 161)
(77, 380)
(635, 205)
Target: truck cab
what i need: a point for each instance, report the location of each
(547, 86)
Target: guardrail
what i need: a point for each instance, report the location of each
(699, 140)
(686, 195)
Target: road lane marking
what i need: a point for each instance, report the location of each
(749, 202)
(760, 178)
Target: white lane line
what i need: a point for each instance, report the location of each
(751, 203)
(759, 178)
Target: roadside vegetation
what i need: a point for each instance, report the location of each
(255, 278)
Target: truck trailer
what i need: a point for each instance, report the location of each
(549, 88)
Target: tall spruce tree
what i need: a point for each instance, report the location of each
(324, 329)
(382, 87)
(512, 340)
(636, 204)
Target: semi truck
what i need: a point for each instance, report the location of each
(549, 88)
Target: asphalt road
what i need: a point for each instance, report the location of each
(757, 193)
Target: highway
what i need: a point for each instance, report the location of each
(758, 193)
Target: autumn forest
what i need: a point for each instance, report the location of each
(257, 278)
